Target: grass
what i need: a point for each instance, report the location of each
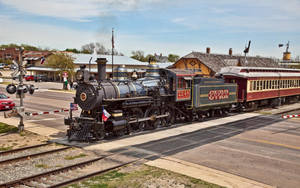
(265, 112)
(3, 148)
(41, 166)
(6, 83)
(142, 177)
(4, 128)
(75, 156)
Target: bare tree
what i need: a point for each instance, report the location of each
(89, 48)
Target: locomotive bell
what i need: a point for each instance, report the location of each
(152, 70)
(11, 89)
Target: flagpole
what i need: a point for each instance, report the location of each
(112, 52)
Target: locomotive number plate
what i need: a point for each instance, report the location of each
(83, 96)
(218, 94)
(183, 94)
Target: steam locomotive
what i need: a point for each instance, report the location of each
(161, 98)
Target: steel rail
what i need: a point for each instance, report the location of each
(89, 175)
(21, 149)
(33, 177)
(33, 155)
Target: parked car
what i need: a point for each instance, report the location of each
(2, 65)
(40, 77)
(5, 102)
(29, 78)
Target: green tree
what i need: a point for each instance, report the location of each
(173, 57)
(25, 46)
(74, 50)
(62, 63)
(138, 55)
(6, 61)
(149, 57)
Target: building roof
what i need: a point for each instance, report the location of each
(34, 55)
(118, 60)
(180, 72)
(259, 72)
(216, 61)
(93, 70)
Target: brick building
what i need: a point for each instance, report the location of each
(9, 53)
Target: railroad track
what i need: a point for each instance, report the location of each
(65, 175)
(30, 155)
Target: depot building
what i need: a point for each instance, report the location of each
(131, 65)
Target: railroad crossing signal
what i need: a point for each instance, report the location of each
(20, 89)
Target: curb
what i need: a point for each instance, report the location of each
(204, 173)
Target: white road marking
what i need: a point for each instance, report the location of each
(46, 119)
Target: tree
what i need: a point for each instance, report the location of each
(25, 46)
(6, 61)
(62, 62)
(89, 48)
(173, 57)
(138, 55)
(74, 50)
(149, 58)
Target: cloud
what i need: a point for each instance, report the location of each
(41, 34)
(76, 10)
(178, 20)
(243, 16)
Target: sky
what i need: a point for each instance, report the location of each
(155, 26)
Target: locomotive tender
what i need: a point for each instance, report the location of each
(162, 97)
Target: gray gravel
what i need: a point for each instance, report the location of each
(30, 151)
(21, 169)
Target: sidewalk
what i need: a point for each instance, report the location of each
(204, 173)
(32, 127)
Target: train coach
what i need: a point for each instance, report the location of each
(261, 86)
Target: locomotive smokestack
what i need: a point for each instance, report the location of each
(208, 50)
(101, 65)
(230, 51)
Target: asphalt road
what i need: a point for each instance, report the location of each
(44, 100)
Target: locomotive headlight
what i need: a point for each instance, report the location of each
(79, 75)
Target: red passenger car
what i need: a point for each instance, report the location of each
(259, 86)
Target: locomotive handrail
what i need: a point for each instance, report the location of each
(131, 98)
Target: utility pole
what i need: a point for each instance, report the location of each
(112, 52)
(21, 75)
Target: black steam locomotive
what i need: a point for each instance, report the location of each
(161, 98)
